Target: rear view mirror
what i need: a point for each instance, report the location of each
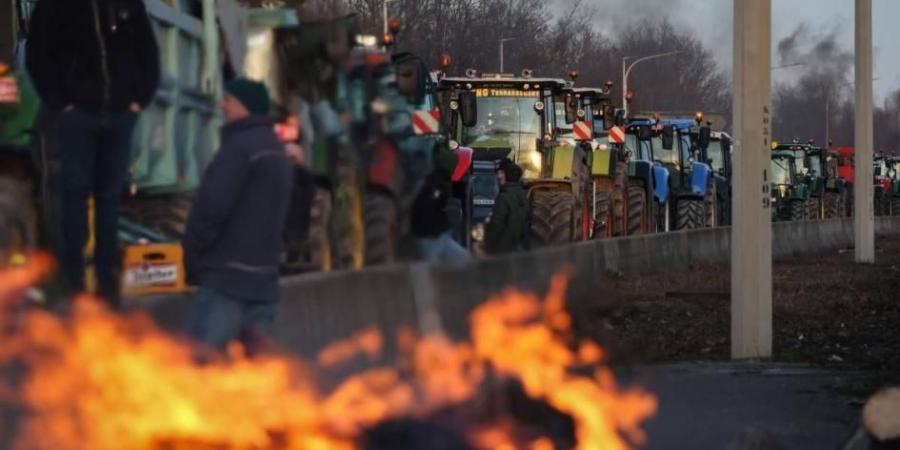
(411, 83)
(571, 109)
(644, 133)
(468, 108)
(703, 138)
(668, 138)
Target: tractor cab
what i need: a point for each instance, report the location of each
(531, 121)
(811, 169)
(788, 193)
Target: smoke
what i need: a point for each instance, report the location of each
(823, 57)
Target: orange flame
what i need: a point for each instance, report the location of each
(99, 381)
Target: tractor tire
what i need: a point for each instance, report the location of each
(813, 209)
(895, 206)
(637, 210)
(690, 214)
(18, 220)
(797, 210)
(380, 218)
(833, 208)
(603, 217)
(319, 245)
(552, 218)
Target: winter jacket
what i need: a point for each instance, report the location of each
(94, 55)
(505, 233)
(429, 209)
(234, 239)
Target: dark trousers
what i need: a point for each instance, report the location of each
(217, 319)
(95, 150)
(296, 230)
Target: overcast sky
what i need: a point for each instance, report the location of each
(712, 20)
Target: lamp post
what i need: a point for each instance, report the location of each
(384, 11)
(502, 41)
(626, 70)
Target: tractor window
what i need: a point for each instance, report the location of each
(780, 169)
(662, 155)
(715, 155)
(640, 151)
(564, 130)
(505, 122)
(815, 165)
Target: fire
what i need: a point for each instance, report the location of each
(99, 381)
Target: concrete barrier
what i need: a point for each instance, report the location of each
(320, 308)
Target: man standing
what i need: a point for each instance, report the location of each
(96, 63)
(430, 222)
(233, 240)
(505, 233)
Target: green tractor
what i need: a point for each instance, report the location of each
(789, 195)
(828, 193)
(893, 163)
(621, 187)
(501, 116)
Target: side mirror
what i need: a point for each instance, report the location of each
(668, 138)
(703, 138)
(609, 116)
(468, 108)
(644, 133)
(571, 109)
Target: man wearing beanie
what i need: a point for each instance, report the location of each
(505, 232)
(233, 239)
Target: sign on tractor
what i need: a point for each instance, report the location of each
(582, 131)
(426, 122)
(617, 135)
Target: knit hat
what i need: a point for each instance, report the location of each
(512, 170)
(253, 95)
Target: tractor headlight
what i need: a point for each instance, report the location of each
(453, 145)
(478, 232)
(535, 161)
(783, 191)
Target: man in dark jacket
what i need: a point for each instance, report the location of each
(96, 63)
(505, 233)
(233, 240)
(430, 222)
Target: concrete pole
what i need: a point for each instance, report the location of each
(863, 210)
(751, 234)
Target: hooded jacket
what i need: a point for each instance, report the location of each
(505, 233)
(94, 55)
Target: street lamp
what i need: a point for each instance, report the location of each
(503, 40)
(626, 70)
(384, 7)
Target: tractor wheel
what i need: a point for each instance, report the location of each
(690, 214)
(833, 207)
(895, 206)
(552, 218)
(797, 210)
(812, 209)
(637, 210)
(381, 229)
(603, 218)
(18, 220)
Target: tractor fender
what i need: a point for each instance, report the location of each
(464, 157)
(547, 184)
(700, 178)
(660, 183)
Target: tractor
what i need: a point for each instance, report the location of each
(883, 185)
(622, 187)
(815, 166)
(503, 116)
(718, 156)
(894, 174)
(789, 195)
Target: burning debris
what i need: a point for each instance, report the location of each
(98, 381)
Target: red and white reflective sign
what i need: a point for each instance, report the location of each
(426, 122)
(617, 135)
(9, 90)
(582, 130)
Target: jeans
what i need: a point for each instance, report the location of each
(442, 250)
(217, 319)
(95, 149)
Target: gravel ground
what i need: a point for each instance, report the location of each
(828, 312)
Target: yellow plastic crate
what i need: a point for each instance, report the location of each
(153, 269)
